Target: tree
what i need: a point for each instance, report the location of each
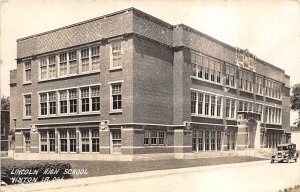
(5, 103)
(295, 101)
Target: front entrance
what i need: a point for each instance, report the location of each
(116, 141)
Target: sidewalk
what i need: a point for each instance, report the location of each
(113, 178)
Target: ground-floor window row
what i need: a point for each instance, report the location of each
(273, 139)
(211, 140)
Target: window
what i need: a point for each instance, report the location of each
(95, 98)
(116, 50)
(27, 103)
(63, 141)
(146, 137)
(218, 140)
(213, 140)
(52, 103)
(206, 68)
(116, 140)
(230, 108)
(63, 102)
(47, 140)
(246, 81)
(273, 115)
(73, 100)
(43, 68)
(161, 137)
(116, 96)
(85, 60)
(95, 140)
(230, 76)
(153, 137)
(72, 140)
(43, 103)
(193, 102)
(85, 101)
(52, 140)
(73, 65)
(63, 68)
(95, 58)
(44, 144)
(27, 141)
(231, 140)
(85, 141)
(245, 106)
(207, 144)
(52, 67)
(273, 89)
(27, 71)
(259, 85)
(206, 104)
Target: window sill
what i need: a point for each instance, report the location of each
(116, 112)
(27, 83)
(115, 69)
(211, 117)
(68, 115)
(259, 94)
(204, 80)
(246, 91)
(229, 87)
(69, 76)
(273, 98)
(26, 118)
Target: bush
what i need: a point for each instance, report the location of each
(34, 172)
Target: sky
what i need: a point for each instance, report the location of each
(269, 29)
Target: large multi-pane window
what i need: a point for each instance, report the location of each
(116, 54)
(245, 106)
(68, 140)
(52, 67)
(116, 139)
(116, 96)
(231, 140)
(72, 140)
(258, 108)
(44, 140)
(152, 137)
(273, 89)
(246, 81)
(63, 67)
(206, 104)
(95, 58)
(230, 76)
(206, 68)
(273, 114)
(27, 105)
(85, 65)
(259, 85)
(26, 141)
(230, 108)
(27, 69)
(51, 133)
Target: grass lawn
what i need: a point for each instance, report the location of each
(101, 168)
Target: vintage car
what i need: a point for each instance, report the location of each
(285, 153)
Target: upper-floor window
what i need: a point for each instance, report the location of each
(246, 81)
(95, 58)
(206, 68)
(85, 64)
(259, 85)
(116, 96)
(63, 66)
(206, 104)
(27, 69)
(273, 114)
(73, 64)
(43, 68)
(273, 89)
(230, 76)
(230, 108)
(258, 108)
(245, 106)
(27, 105)
(52, 67)
(116, 54)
